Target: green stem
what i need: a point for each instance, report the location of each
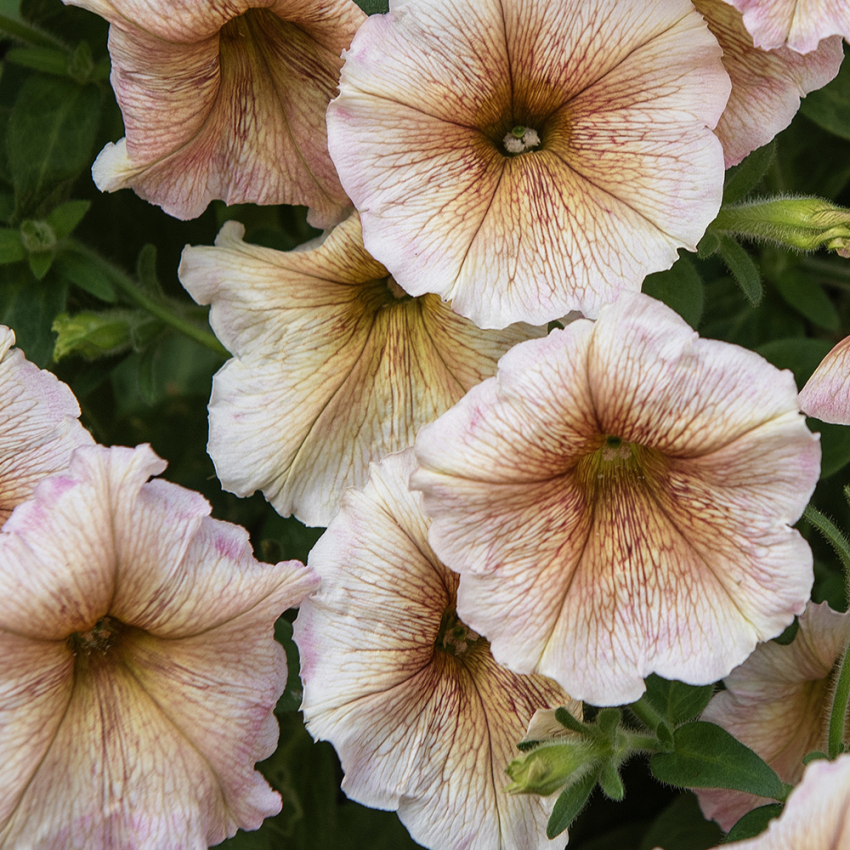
(835, 539)
(155, 308)
(646, 713)
(643, 743)
(29, 34)
(838, 715)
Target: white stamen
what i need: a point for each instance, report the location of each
(513, 144)
(530, 139)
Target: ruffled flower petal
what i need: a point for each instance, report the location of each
(334, 365)
(422, 717)
(799, 24)
(766, 85)
(39, 425)
(618, 500)
(816, 816)
(526, 159)
(226, 101)
(777, 703)
(142, 669)
(826, 395)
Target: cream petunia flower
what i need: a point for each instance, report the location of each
(618, 500)
(799, 24)
(817, 815)
(140, 670)
(335, 366)
(525, 158)
(225, 100)
(766, 85)
(777, 703)
(39, 425)
(422, 717)
(826, 395)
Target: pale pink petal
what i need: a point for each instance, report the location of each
(334, 365)
(142, 668)
(800, 24)
(826, 395)
(766, 85)
(226, 101)
(618, 501)
(621, 97)
(39, 425)
(422, 717)
(816, 816)
(777, 703)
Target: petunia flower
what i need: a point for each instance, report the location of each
(422, 717)
(140, 670)
(335, 366)
(766, 85)
(816, 816)
(618, 500)
(826, 395)
(799, 24)
(225, 100)
(777, 703)
(39, 425)
(526, 158)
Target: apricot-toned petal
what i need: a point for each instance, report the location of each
(799, 24)
(422, 717)
(35, 689)
(620, 99)
(334, 365)
(817, 814)
(226, 101)
(766, 85)
(777, 703)
(143, 671)
(826, 395)
(618, 499)
(39, 425)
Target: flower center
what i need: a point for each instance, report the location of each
(455, 637)
(98, 640)
(396, 290)
(521, 139)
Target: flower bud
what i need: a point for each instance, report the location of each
(552, 766)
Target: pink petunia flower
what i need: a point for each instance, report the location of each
(618, 501)
(777, 703)
(826, 395)
(225, 100)
(335, 366)
(526, 159)
(140, 670)
(422, 717)
(39, 427)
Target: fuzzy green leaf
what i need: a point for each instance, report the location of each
(569, 804)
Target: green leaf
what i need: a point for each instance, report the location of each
(787, 637)
(707, 756)
(681, 826)
(28, 307)
(571, 801)
(676, 701)
(146, 272)
(374, 7)
(11, 247)
(610, 782)
(829, 107)
(708, 245)
(743, 268)
(806, 295)
(799, 354)
(680, 288)
(65, 218)
(86, 275)
(45, 59)
(40, 264)
(834, 444)
(290, 699)
(50, 136)
(754, 822)
(742, 179)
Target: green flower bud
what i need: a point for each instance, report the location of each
(802, 223)
(552, 766)
(93, 335)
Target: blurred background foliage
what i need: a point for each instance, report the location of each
(139, 355)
